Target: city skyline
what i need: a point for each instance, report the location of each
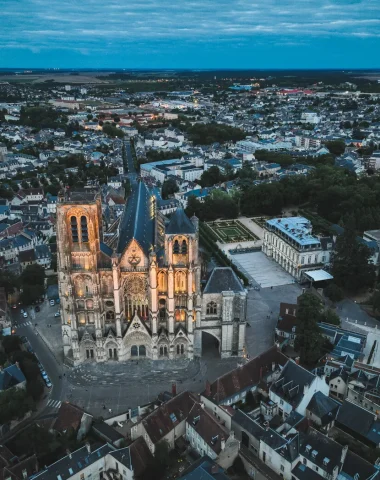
(207, 34)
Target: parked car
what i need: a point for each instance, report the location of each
(44, 375)
(22, 310)
(37, 308)
(48, 383)
(25, 315)
(57, 314)
(52, 303)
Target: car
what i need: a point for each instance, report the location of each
(22, 310)
(57, 314)
(48, 383)
(14, 306)
(44, 375)
(52, 303)
(24, 339)
(58, 300)
(37, 308)
(25, 315)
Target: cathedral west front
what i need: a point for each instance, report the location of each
(137, 293)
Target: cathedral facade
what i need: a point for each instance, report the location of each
(139, 294)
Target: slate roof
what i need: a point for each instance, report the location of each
(359, 420)
(123, 456)
(10, 377)
(67, 467)
(180, 223)
(291, 382)
(325, 448)
(137, 221)
(323, 407)
(245, 377)
(223, 279)
(204, 469)
(356, 467)
(107, 432)
(302, 472)
(248, 423)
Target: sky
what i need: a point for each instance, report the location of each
(190, 34)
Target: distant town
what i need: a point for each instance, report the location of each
(189, 275)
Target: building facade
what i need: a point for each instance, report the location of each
(141, 298)
(289, 241)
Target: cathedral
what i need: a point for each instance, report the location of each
(137, 292)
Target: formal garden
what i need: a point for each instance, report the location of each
(231, 231)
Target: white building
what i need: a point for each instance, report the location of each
(289, 241)
(310, 117)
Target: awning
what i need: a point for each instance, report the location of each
(318, 275)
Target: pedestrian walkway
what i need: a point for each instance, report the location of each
(24, 324)
(54, 403)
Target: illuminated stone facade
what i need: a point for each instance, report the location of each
(141, 298)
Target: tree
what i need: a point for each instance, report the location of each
(211, 177)
(334, 293)
(8, 281)
(11, 344)
(162, 452)
(331, 317)
(169, 187)
(336, 147)
(24, 184)
(376, 301)
(32, 283)
(309, 340)
(352, 268)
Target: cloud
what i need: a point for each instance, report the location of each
(93, 24)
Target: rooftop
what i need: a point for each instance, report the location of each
(297, 229)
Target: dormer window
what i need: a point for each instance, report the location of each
(308, 448)
(314, 453)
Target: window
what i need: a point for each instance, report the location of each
(176, 247)
(83, 226)
(184, 247)
(282, 468)
(211, 308)
(74, 229)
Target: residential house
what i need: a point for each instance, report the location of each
(338, 383)
(208, 437)
(359, 423)
(206, 469)
(322, 410)
(105, 462)
(167, 422)
(72, 419)
(294, 389)
(12, 376)
(234, 385)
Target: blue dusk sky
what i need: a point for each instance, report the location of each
(190, 34)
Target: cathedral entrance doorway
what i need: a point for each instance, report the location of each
(138, 351)
(210, 345)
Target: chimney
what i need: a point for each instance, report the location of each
(208, 389)
(344, 453)
(174, 389)
(222, 443)
(68, 453)
(305, 388)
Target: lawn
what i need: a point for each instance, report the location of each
(231, 231)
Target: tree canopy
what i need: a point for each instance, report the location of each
(351, 265)
(309, 340)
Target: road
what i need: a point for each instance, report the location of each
(132, 175)
(51, 363)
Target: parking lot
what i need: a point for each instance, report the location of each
(262, 270)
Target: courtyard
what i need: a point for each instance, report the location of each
(262, 270)
(231, 231)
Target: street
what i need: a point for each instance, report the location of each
(120, 386)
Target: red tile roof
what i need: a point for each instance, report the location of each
(244, 377)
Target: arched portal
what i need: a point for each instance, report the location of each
(210, 345)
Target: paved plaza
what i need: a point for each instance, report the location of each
(262, 270)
